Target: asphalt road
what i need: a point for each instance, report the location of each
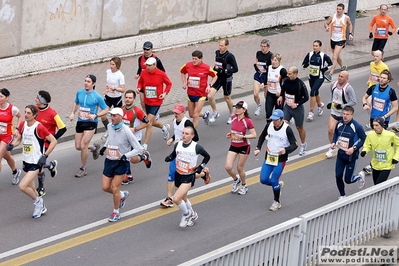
(75, 231)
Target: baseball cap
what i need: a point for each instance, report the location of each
(147, 45)
(151, 61)
(277, 114)
(241, 104)
(179, 108)
(116, 111)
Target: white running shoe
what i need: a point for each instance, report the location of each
(292, 121)
(157, 116)
(39, 209)
(368, 170)
(105, 136)
(229, 121)
(206, 117)
(258, 109)
(341, 197)
(302, 149)
(166, 132)
(320, 109)
(213, 117)
(310, 117)
(184, 220)
(361, 179)
(15, 178)
(275, 206)
(243, 190)
(193, 217)
(330, 153)
(236, 183)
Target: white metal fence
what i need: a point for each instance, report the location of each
(354, 220)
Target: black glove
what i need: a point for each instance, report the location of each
(102, 151)
(199, 168)
(363, 153)
(123, 158)
(394, 161)
(168, 159)
(324, 69)
(9, 147)
(220, 70)
(390, 33)
(371, 35)
(338, 106)
(256, 68)
(42, 160)
(329, 106)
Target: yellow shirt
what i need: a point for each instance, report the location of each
(375, 71)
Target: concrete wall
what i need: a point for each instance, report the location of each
(28, 25)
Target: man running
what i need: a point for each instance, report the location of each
(382, 23)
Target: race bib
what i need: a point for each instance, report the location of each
(27, 147)
(272, 159)
(289, 99)
(381, 31)
(182, 164)
(84, 113)
(272, 87)
(236, 137)
(261, 66)
(380, 156)
(112, 152)
(3, 128)
(378, 104)
(151, 92)
(374, 77)
(343, 143)
(218, 65)
(194, 82)
(314, 70)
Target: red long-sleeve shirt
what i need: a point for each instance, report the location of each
(152, 84)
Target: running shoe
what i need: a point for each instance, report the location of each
(330, 153)
(367, 170)
(39, 209)
(184, 220)
(310, 117)
(328, 77)
(147, 159)
(243, 190)
(167, 203)
(114, 217)
(166, 132)
(292, 121)
(15, 177)
(281, 183)
(275, 206)
(344, 68)
(157, 116)
(123, 199)
(341, 197)
(258, 109)
(207, 176)
(194, 217)
(213, 117)
(302, 149)
(105, 136)
(229, 121)
(206, 117)
(127, 180)
(41, 191)
(320, 109)
(96, 152)
(53, 168)
(361, 179)
(236, 183)
(396, 127)
(81, 173)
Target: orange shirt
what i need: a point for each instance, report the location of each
(382, 26)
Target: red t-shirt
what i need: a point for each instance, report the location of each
(240, 127)
(152, 84)
(197, 80)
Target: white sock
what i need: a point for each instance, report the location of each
(183, 207)
(116, 210)
(122, 194)
(189, 206)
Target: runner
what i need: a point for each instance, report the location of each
(382, 23)
(49, 118)
(152, 82)
(87, 101)
(263, 60)
(225, 66)
(348, 137)
(342, 94)
(295, 93)
(240, 146)
(114, 89)
(339, 23)
(384, 147)
(194, 76)
(316, 61)
(33, 134)
(280, 142)
(186, 153)
(118, 152)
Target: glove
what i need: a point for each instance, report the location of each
(123, 158)
(9, 147)
(168, 159)
(256, 68)
(102, 151)
(338, 106)
(220, 70)
(42, 160)
(199, 168)
(329, 106)
(394, 161)
(363, 153)
(371, 35)
(324, 69)
(390, 33)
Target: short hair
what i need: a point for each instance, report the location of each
(197, 53)
(277, 56)
(191, 129)
(294, 69)
(45, 95)
(319, 42)
(131, 91)
(33, 109)
(226, 41)
(265, 41)
(117, 61)
(388, 73)
(341, 5)
(349, 108)
(384, 5)
(5, 92)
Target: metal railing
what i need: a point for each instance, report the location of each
(354, 220)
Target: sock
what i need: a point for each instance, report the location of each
(37, 200)
(145, 146)
(311, 110)
(15, 171)
(122, 194)
(83, 168)
(183, 207)
(93, 147)
(116, 210)
(47, 165)
(40, 178)
(105, 123)
(276, 195)
(244, 185)
(189, 206)
(164, 129)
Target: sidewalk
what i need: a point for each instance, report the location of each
(292, 45)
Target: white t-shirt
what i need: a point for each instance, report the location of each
(115, 79)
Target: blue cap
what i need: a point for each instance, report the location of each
(277, 114)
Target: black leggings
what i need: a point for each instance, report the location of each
(380, 176)
(270, 104)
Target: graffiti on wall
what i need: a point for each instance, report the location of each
(7, 12)
(66, 11)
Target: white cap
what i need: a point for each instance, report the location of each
(151, 61)
(116, 111)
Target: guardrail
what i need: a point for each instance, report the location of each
(356, 219)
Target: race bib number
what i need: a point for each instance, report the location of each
(3, 128)
(194, 82)
(183, 164)
(343, 143)
(272, 159)
(151, 92)
(218, 65)
(289, 99)
(27, 147)
(261, 66)
(378, 104)
(84, 113)
(314, 70)
(374, 77)
(272, 87)
(380, 156)
(236, 137)
(112, 152)
(381, 31)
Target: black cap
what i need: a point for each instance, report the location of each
(379, 120)
(147, 45)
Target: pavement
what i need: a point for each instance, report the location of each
(292, 43)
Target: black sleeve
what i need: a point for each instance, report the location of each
(188, 123)
(139, 69)
(305, 62)
(173, 154)
(392, 95)
(60, 132)
(233, 64)
(159, 65)
(304, 93)
(262, 136)
(291, 138)
(283, 74)
(200, 150)
(328, 60)
(370, 90)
